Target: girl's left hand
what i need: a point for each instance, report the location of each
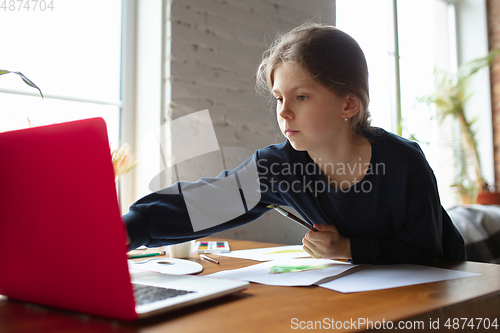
(326, 243)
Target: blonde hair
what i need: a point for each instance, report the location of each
(332, 57)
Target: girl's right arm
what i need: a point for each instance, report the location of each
(192, 210)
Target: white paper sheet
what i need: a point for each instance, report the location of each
(274, 272)
(375, 277)
(269, 253)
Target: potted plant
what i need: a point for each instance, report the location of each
(451, 95)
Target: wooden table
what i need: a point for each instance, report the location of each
(281, 309)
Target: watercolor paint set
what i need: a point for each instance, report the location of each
(212, 246)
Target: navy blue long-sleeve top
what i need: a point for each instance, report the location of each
(392, 215)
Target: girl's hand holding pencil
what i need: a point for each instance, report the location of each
(326, 243)
(323, 241)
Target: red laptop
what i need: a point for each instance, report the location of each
(62, 239)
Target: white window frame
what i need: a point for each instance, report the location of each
(472, 43)
(144, 89)
(468, 26)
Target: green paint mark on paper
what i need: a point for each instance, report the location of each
(295, 269)
(285, 251)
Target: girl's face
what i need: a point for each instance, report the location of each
(310, 115)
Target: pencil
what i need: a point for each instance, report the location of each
(209, 259)
(144, 255)
(292, 217)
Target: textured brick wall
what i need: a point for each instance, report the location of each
(215, 49)
(216, 46)
(493, 7)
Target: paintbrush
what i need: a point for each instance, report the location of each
(291, 217)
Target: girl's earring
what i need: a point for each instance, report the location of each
(345, 119)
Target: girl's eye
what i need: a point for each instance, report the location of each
(301, 97)
(279, 100)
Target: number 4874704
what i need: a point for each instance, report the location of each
(471, 323)
(26, 5)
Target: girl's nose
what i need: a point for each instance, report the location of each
(285, 112)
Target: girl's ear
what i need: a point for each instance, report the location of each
(352, 106)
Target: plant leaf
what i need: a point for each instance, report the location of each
(24, 78)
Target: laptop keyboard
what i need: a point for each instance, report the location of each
(148, 294)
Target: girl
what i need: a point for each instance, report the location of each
(371, 195)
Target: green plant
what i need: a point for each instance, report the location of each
(24, 78)
(451, 95)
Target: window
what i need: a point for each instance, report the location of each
(72, 51)
(402, 52)
(370, 29)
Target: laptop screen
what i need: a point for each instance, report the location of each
(61, 235)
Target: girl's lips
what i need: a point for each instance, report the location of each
(290, 132)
